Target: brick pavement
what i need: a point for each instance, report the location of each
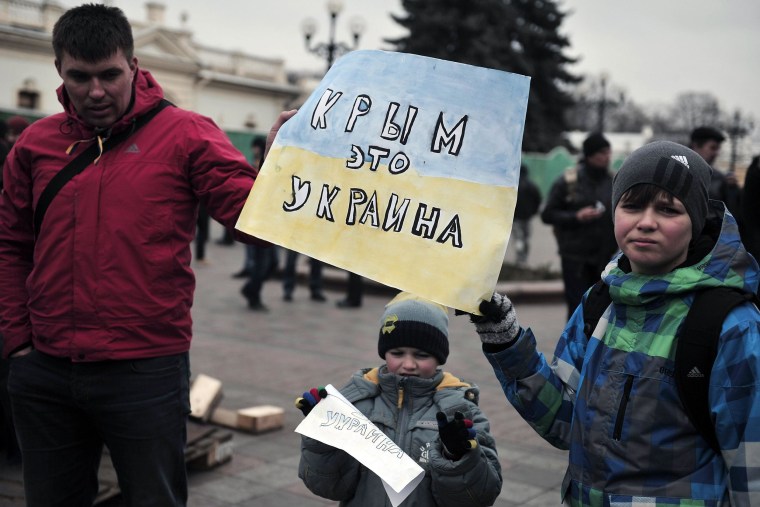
(268, 358)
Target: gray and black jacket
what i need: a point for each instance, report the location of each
(405, 408)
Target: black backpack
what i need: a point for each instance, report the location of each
(696, 348)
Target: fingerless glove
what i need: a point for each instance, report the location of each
(498, 325)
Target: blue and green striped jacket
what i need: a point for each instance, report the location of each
(611, 400)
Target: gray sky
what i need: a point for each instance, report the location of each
(654, 49)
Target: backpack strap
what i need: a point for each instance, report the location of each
(597, 301)
(696, 350)
(83, 160)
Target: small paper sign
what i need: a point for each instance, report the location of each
(336, 422)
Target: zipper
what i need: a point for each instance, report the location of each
(621, 408)
(403, 414)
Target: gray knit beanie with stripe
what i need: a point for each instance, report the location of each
(672, 167)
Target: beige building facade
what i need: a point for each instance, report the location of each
(242, 93)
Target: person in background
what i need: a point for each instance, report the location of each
(750, 208)
(289, 277)
(227, 238)
(579, 209)
(260, 261)
(354, 292)
(9, 132)
(95, 299)
(527, 206)
(707, 142)
(430, 414)
(609, 396)
(201, 237)
(257, 159)
(16, 125)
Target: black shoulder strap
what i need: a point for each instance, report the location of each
(597, 300)
(84, 159)
(696, 350)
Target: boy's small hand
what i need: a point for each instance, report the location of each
(310, 398)
(457, 435)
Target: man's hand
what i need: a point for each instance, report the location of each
(279, 122)
(589, 213)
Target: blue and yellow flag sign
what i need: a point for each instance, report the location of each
(400, 168)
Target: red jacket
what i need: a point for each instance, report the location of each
(109, 277)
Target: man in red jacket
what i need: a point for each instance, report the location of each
(95, 293)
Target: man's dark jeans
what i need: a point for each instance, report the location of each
(64, 413)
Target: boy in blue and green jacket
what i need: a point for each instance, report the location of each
(611, 399)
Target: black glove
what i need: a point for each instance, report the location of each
(310, 398)
(491, 311)
(457, 435)
(498, 324)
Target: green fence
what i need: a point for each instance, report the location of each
(546, 167)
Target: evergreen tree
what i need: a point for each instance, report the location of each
(520, 36)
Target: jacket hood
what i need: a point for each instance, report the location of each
(727, 263)
(146, 94)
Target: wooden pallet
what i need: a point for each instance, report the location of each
(207, 446)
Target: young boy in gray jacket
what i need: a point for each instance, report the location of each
(430, 414)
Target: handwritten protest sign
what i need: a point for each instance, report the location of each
(401, 168)
(336, 422)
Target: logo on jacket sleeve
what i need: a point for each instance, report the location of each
(424, 453)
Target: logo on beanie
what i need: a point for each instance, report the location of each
(680, 158)
(390, 324)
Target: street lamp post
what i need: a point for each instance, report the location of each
(602, 101)
(738, 129)
(331, 49)
(609, 97)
